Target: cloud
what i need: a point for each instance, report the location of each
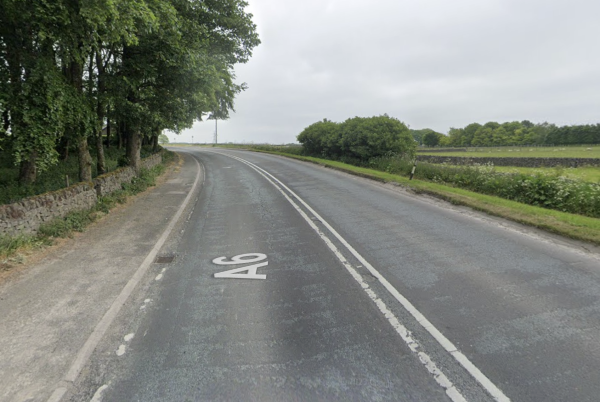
(430, 63)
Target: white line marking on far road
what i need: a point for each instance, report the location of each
(412, 343)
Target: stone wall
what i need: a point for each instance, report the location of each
(518, 162)
(112, 181)
(26, 216)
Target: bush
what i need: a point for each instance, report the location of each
(358, 139)
(74, 221)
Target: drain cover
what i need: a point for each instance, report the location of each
(164, 259)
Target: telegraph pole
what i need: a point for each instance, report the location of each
(215, 131)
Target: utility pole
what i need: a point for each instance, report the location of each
(215, 131)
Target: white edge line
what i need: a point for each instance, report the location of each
(485, 382)
(86, 350)
(404, 333)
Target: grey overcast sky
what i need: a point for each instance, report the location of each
(430, 63)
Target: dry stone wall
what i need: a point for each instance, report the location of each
(518, 162)
(26, 216)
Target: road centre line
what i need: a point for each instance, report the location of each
(95, 337)
(481, 378)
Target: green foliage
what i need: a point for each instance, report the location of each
(74, 221)
(522, 133)
(54, 178)
(432, 139)
(358, 139)
(148, 64)
(9, 245)
(145, 179)
(108, 202)
(551, 191)
(163, 139)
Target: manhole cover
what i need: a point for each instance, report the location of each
(164, 259)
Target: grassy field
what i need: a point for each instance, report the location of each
(592, 151)
(587, 174)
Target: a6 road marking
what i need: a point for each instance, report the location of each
(242, 259)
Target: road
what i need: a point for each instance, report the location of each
(292, 282)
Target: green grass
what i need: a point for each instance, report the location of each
(569, 225)
(581, 151)
(587, 174)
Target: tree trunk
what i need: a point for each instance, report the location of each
(101, 162)
(155, 140)
(28, 171)
(85, 160)
(134, 143)
(75, 75)
(120, 132)
(101, 113)
(108, 129)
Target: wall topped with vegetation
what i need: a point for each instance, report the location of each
(26, 216)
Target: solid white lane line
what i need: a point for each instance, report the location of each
(485, 382)
(404, 333)
(86, 350)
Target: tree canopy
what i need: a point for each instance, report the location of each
(70, 67)
(521, 133)
(359, 138)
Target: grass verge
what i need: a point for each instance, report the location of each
(561, 223)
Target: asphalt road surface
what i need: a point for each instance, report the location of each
(292, 282)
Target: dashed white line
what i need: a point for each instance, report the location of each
(121, 350)
(98, 395)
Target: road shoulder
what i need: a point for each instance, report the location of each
(51, 306)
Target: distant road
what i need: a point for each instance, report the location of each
(292, 282)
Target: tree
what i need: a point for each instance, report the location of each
(358, 138)
(431, 139)
(317, 138)
(65, 65)
(163, 139)
(184, 69)
(31, 88)
(456, 137)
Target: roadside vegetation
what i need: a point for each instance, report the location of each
(58, 176)
(75, 75)
(88, 86)
(514, 133)
(559, 200)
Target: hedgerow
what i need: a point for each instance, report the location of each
(552, 191)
